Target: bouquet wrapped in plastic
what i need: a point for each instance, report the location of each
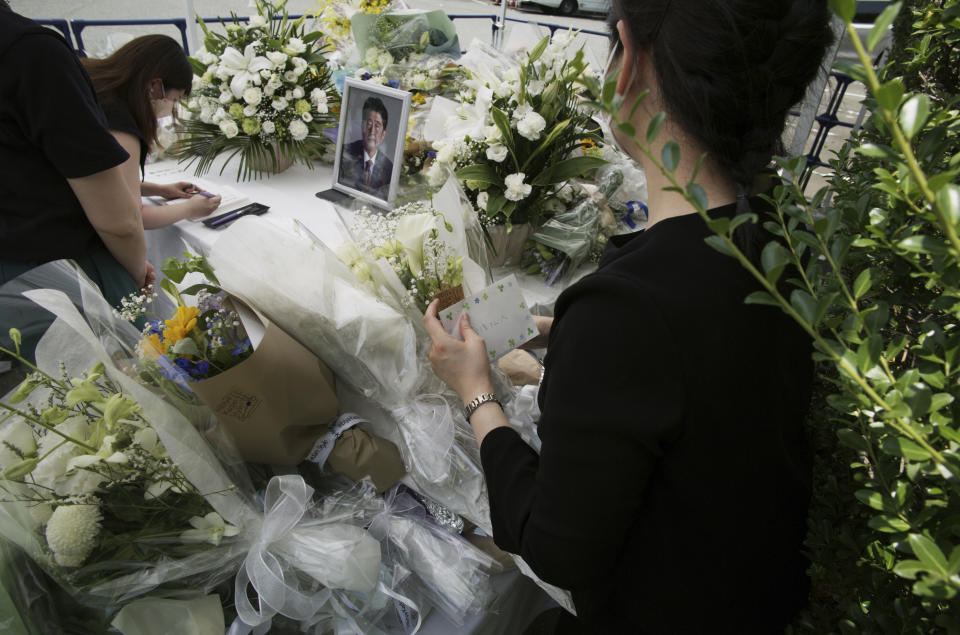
(116, 494)
(569, 237)
(274, 399)
(369, 332)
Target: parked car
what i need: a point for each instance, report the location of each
(867, 11)
(568, 7)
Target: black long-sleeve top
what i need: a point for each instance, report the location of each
(671, 490)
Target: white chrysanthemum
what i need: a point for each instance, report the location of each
(268, 127)
(497, 152)
(299, 66)
(482, 199)
(288, 95)
(291, 76)
(531, 126)
(252, 95)
(298, 130)
(249, 111)
(517, 190)
(72, 533)
(266, 73)
(226, 97)
(219, 115)
(18, 434)
(229, 128)
(279, 104)
(296, 45)
(298, 93)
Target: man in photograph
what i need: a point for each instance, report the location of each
(364, 166)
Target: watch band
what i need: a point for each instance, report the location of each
(478, 401)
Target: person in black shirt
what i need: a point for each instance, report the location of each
(61, 189)
(671, 490)
(136, 85)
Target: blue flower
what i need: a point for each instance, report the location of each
(366, 76)
(432, 154)
(153, 327)
(241, 347)
(393, 83)
(201, 369)
(173, 373)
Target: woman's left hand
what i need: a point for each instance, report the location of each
(464, 366)
(181, 189)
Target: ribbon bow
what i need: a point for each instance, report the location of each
(286, 501)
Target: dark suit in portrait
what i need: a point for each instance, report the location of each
(356, 169)
(353, 170)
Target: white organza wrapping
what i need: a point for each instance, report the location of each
(289, 541)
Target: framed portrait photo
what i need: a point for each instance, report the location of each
(373, 128)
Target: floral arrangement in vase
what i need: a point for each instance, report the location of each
(532, 137)
(81, 458)
(262, 92)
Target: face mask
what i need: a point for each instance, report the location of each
(617, 100)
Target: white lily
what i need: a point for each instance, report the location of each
(210, 528)
(244, 67)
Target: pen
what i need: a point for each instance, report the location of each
(202, 193)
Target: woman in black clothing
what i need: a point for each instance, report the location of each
(136, 85)
(671, 489)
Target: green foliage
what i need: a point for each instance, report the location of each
(872, 273)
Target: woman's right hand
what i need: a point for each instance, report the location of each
(540, 341)
(199, 206)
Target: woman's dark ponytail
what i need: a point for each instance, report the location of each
(729, 71)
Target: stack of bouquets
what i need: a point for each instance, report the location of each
(370, 333)
(262, 90)
(519, 132)
(273, 398)
(375, 343)
(116, 494)
(334, 18)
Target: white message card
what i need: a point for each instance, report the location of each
(498, 314)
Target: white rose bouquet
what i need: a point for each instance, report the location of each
(531, 140)
(263, 91)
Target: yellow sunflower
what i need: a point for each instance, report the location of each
(180, 325)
